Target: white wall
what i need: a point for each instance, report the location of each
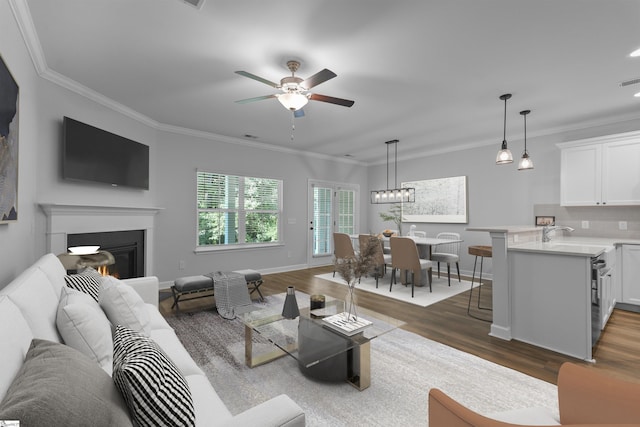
(179, 158)
(498, 194)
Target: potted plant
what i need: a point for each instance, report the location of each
(394, 214)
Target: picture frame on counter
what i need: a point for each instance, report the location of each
(543, 221)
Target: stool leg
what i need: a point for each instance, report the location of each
(471, 290)
(480, 287)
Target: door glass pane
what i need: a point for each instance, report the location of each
(346, 208)
(322, 230)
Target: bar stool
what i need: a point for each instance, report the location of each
(482, 252)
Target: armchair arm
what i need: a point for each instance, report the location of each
(276, 412)
(587, 396)
(147, 287)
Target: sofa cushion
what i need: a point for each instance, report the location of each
(84, 326)
(32, 292)
(87, 281)
(208, 407)
(53, 269)
(15, 338)
(59, 386)
(155, 391)
(169, 342)
(123, 306)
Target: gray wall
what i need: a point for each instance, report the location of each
(497, 195)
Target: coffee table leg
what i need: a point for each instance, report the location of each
(360, 366)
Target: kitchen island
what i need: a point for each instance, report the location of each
(542, 291)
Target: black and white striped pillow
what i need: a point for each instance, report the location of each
(88, 281)
(155, 391)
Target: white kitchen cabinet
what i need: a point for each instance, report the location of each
(601, 171)
(631, 274)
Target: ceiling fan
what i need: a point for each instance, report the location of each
(295, 91)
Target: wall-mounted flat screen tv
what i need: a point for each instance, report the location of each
(92, 154)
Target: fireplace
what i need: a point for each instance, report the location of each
(127, 248)
(65, 221)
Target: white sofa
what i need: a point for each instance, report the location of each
(28, 307)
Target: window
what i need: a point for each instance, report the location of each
(238, 210)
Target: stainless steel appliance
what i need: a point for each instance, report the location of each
(599, 273)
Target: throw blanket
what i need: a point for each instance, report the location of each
(232, 294)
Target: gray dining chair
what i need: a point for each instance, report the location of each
(447, 252)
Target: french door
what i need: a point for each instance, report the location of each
(333, 207)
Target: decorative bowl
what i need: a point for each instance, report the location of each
(387, 234)
(83, 250)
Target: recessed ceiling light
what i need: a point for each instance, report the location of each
(637, 95)
(635, 53)
(246, 135)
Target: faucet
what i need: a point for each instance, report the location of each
(548, 229)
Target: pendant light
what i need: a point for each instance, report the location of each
(504, 155)
(393, 195)
(525, 160)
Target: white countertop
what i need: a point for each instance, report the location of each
(576, 246)
(506, 228)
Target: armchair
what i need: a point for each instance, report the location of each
(586, 397)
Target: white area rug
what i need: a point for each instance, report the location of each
(422, 296)
(404, 367)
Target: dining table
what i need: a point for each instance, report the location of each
(425, 245)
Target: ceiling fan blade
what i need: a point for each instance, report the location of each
(332, 100)
(317, 78)
(298, 113)
(260, 79)
(257, 98)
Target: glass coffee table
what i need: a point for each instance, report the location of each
(323, 351)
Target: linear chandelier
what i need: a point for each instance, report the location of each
(393, 195)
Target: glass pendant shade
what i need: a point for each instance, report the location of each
(292, 100)
(504, 155)
(525, 161)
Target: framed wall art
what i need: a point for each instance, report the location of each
(8, 145)
(442, 200)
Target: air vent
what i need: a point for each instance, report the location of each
(195, 3)
(630, 82)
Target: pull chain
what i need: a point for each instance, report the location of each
(293, 124)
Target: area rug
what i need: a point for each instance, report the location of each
(404, 366)
(422, 296)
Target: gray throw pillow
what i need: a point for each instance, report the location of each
(59, 386)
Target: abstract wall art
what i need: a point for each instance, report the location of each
(8, 145)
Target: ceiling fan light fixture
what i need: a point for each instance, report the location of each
(635, 53)
(293, 100)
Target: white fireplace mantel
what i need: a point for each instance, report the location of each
(65, 219)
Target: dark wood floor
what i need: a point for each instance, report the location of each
(617, 353)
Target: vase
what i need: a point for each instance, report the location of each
(350, 303)
(290, 309)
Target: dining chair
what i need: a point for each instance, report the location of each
(404, 257)
(342, 249)
(417, 233)
(447, 252)
(381, 260)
